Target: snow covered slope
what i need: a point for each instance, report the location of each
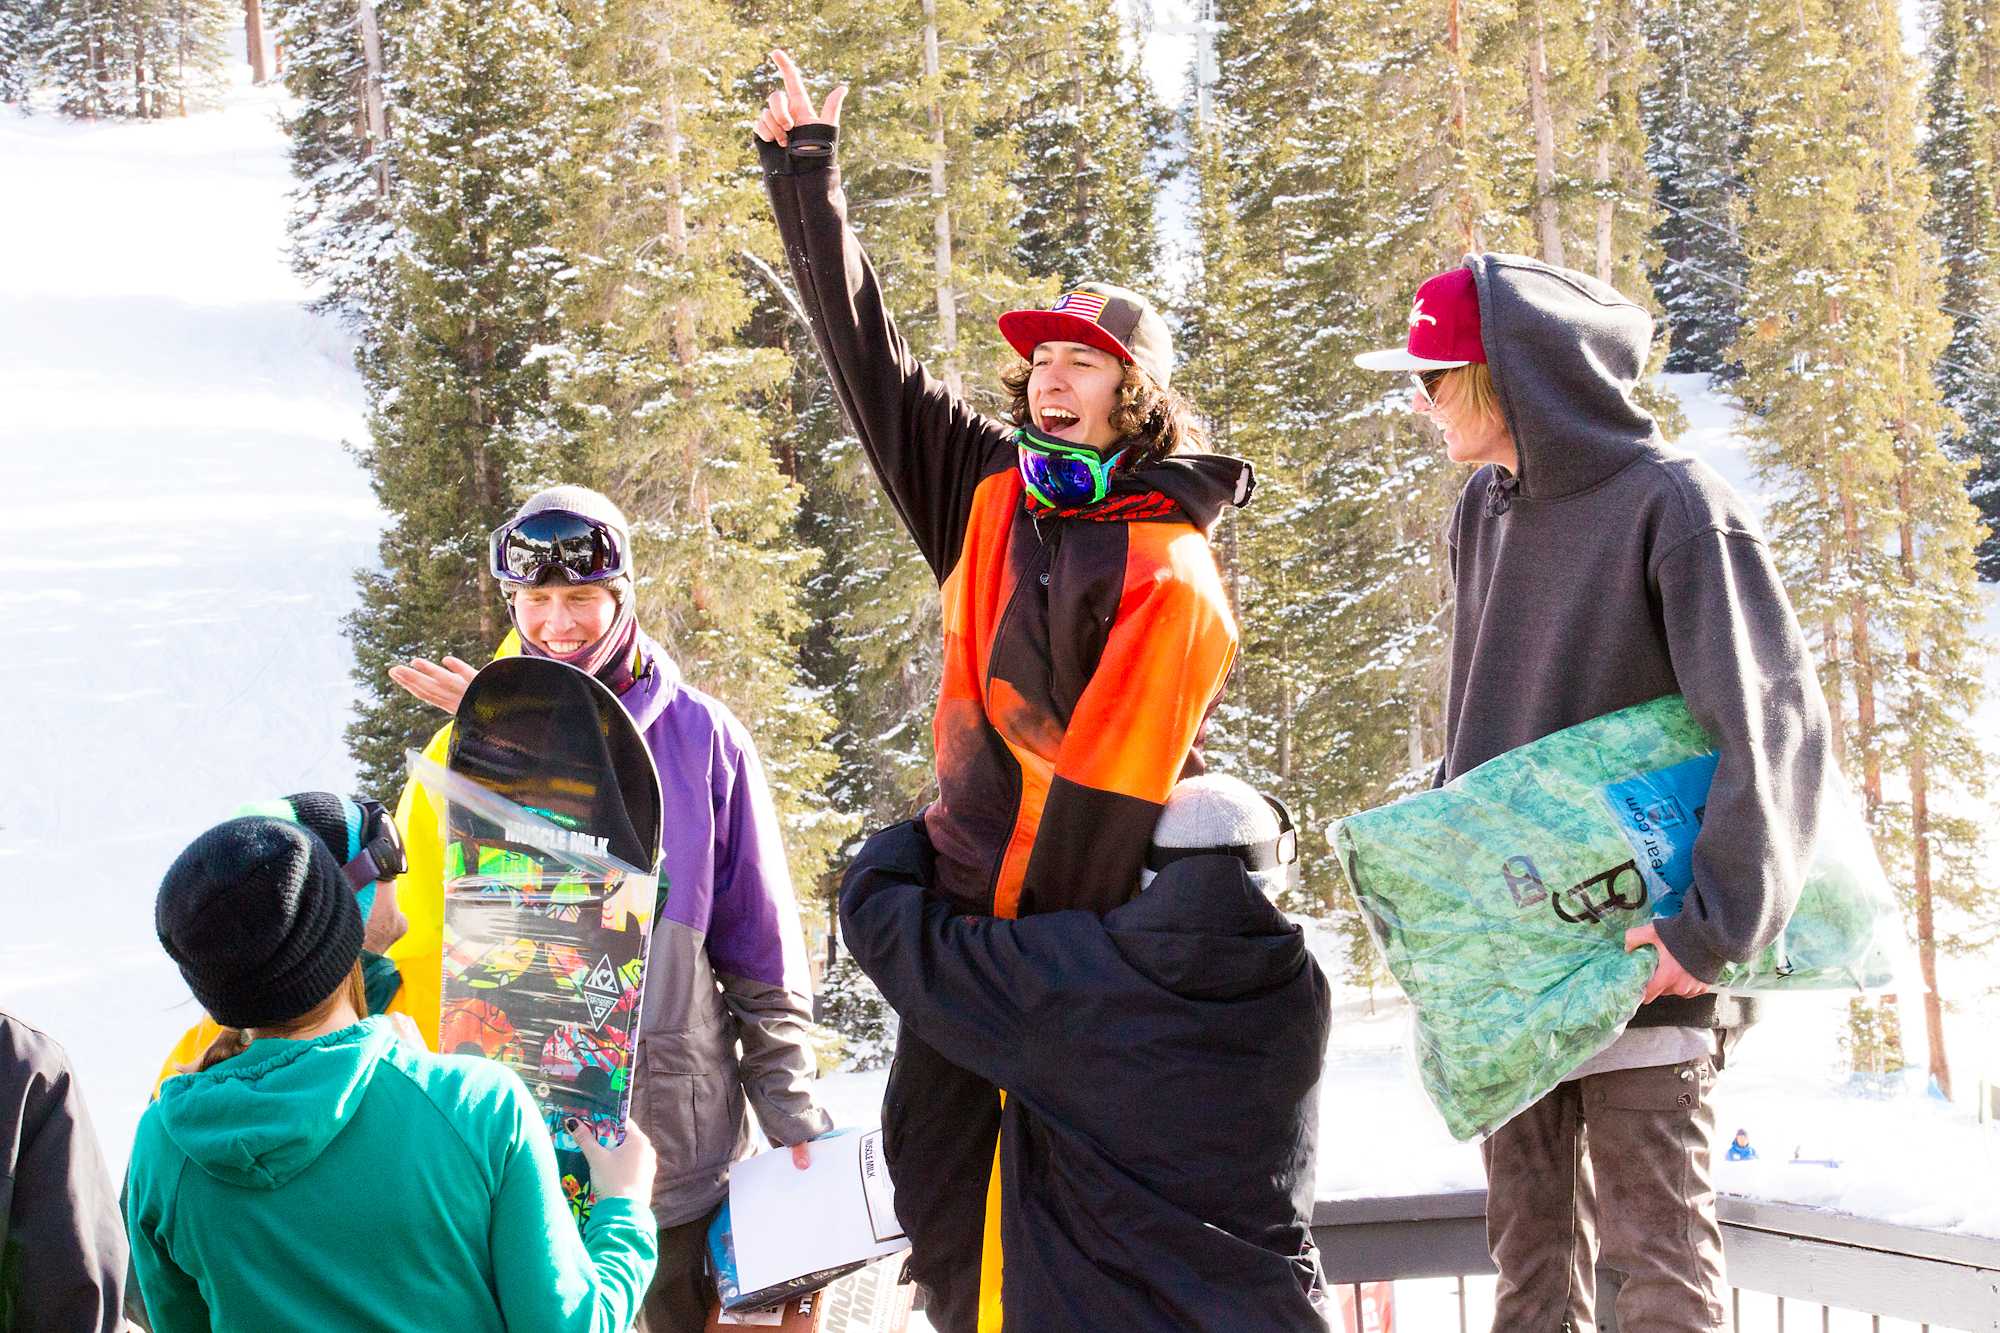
(181, 533)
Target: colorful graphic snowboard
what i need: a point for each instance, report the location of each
(552, 834)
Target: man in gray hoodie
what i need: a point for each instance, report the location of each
(1596, 568)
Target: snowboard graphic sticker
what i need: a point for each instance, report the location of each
(551, 812)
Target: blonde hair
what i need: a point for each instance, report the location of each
(1467, 393)
(233, 1041)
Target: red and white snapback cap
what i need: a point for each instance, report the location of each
(1115, 320)
(1444, 328)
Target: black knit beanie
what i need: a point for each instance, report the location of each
(259, 919)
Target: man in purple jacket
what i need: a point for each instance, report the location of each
(728, 993)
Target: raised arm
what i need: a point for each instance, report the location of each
(928, 446)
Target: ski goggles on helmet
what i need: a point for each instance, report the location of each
(382, 855)
(584, 550)
(1060, 474)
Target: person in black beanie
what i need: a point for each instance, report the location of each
(332, 1172)
(367, 847)
(261, 923)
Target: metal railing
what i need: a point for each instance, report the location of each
(1834, 1261)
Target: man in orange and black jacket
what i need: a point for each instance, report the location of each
(1085, 646)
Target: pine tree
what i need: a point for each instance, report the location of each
(144, 59)
(1695, 119)
(190, 38)
(678, 415)
(341, 62)
(1931, 604)
(86, 55)
(1090, 125)
(19, 23)
(1962, 154)
(1840, 344)
(1340, 175)
(460, 410)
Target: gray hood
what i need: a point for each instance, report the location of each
(1566, 352)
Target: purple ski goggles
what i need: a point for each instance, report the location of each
(584, 550)
(382, 855)
(1060, 474)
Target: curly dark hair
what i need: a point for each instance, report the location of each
(1156, 421)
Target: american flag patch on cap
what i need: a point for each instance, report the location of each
(1088, 305)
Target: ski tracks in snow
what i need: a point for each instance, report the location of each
(181, 548)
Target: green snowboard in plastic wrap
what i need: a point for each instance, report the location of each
(1500, 902)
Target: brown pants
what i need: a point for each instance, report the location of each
(1623, 1160)
(681, 1297)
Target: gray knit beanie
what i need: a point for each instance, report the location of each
(1216, 811)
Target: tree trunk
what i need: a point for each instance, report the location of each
(674, 219)
(374, 106)
(253, 39)
(486, 485)
(947, 299)
(1285, 716)
(1920, 810)
(1861, 650)
(1548, 217)
(1606, 207)
(1468, 211)
(1836, 694)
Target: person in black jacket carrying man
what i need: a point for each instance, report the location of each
(1161, 1065)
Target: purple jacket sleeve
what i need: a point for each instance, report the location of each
(757, 950)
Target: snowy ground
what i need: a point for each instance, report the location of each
(185, 528)
(174, 420)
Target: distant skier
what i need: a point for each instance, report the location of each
(1740, 1149)
(727, 1007)
(1162, 1070)
(62, 1242)
(1595, 568)
(330, 1175)
(1087, 633)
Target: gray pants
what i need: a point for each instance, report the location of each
(1619, 1160)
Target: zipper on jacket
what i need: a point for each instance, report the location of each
(1046, 551)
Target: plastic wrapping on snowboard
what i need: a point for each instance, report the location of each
(550, 825)
(1500, 903)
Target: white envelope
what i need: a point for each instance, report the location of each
(839, 1212)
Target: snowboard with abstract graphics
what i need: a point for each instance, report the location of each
(552, 836)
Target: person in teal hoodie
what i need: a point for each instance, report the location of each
(332, 1176)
